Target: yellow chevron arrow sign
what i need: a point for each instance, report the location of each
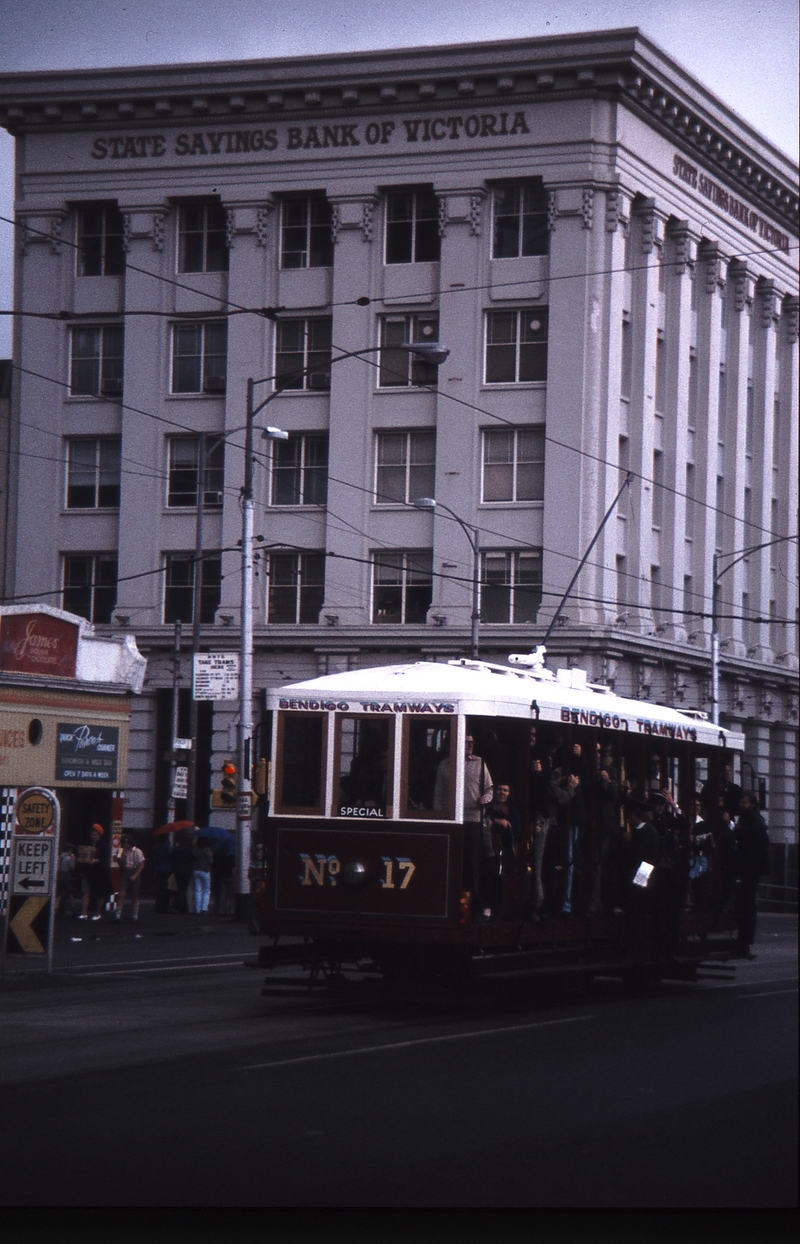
(20, 926)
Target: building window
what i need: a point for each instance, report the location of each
(405, 467)
(516, 346)
(90, 585)
(513, 464)
(300, 470)
(199, 357)
(100, 250)
(183, 467)
(412, 227)
(306, 237)
(399, 368)
(201, 238)
(520, 221)
(303, 354)
(93, 468)
(296, 587)
(511, 586)
(96, 365)
(402, 587)
(179, 586)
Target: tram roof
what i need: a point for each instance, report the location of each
(480, 689)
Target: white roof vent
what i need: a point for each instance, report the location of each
(572, 678)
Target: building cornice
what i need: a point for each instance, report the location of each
(623, 66)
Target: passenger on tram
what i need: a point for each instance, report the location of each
(701, 840)
(607, 824)
(639, 857)
(576, 828)
(478, 791)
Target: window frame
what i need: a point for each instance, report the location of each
(210, 557)
(208, 230)
(301, 469)
(413, 221)
(300, 558)
(407, 465)
(520, 187)
(206, 389)
(108, 361)
(314, 231)
(493, 316)
(98, 442)
(511, 584)
(404, 813)
(93, 585)
(418, 373)
(310, 325)
(405, 569)
(111, 254)
(211, 471)
(368, 719)
(539, 431)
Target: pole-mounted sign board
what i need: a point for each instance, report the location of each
(215, 676)
(30, 910)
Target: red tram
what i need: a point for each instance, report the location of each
(366, 848)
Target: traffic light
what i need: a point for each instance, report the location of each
(227, 791)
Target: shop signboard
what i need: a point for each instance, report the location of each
(86, 752)
(37, 643)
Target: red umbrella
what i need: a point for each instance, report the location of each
(174, 827)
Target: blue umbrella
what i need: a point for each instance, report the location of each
(222, 840)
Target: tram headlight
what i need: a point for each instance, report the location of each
(355, 873)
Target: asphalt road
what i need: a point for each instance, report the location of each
(160, 1076)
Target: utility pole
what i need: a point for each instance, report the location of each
(176, 678)
(196, 611)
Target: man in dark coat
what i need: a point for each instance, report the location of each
(750, 862)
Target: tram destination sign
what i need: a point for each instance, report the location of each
(86, 752)
(215, 676)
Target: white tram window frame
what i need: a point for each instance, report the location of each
(299, 810)
(456, 742)
(336, 763)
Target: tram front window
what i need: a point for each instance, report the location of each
(364, 751)
(426, 745)
(301, 749)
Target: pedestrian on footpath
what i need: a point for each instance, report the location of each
(750, 862)
(130, 876)
(202, 859)
(66, 872)
(94, 885)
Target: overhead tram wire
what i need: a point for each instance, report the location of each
(271, 313)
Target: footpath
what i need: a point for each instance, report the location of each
(151, 940)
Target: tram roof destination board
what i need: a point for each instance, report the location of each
(523, 689)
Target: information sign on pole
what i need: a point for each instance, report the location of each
(180, 783)
(215, 676)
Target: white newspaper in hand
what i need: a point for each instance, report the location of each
(643, 874)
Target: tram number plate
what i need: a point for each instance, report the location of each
(371, 872)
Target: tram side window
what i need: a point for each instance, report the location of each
(364, 751)
(301, 743)
(427, 781)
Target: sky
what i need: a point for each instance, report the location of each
(745, 51)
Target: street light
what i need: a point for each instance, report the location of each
(432, 352)
(738, 555)
(428, 503)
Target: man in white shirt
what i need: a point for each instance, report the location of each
(478, 790)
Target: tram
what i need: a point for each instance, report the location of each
(367, 837)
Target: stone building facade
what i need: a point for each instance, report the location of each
(608, 252)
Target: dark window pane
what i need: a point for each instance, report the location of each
(216, 249)
(179, 589)
(399, 236)
(78, 585)
(418, 602)
(287, 457)
(105, 592)
(312, 586)
(321, 237)
(108, 487)
(301, 768)
(81, 474)
(210, 587)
